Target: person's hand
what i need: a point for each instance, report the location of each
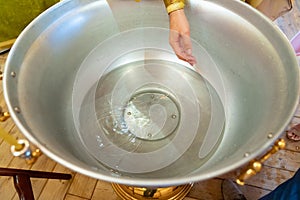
(179, 37)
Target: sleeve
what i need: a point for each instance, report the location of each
(173, 5)
(254, 3)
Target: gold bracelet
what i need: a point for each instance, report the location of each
(173, 5)
(254, 3)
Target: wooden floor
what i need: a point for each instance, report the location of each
(279, 168)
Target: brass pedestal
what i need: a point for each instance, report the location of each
(140, 193)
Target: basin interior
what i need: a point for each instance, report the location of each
(84, 67)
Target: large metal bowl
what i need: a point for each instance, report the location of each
(241, 54)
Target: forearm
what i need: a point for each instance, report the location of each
(173, 5)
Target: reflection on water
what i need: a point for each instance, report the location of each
(151, 116)
(140, 110)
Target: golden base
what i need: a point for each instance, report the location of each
(140, 193)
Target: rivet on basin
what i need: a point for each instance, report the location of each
(17, 109)
(270, 135)
(13, 74)
(246, 154)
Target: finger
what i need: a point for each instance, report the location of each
(192, 60)
(176, 45)
(186, 44)
(182, 55)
